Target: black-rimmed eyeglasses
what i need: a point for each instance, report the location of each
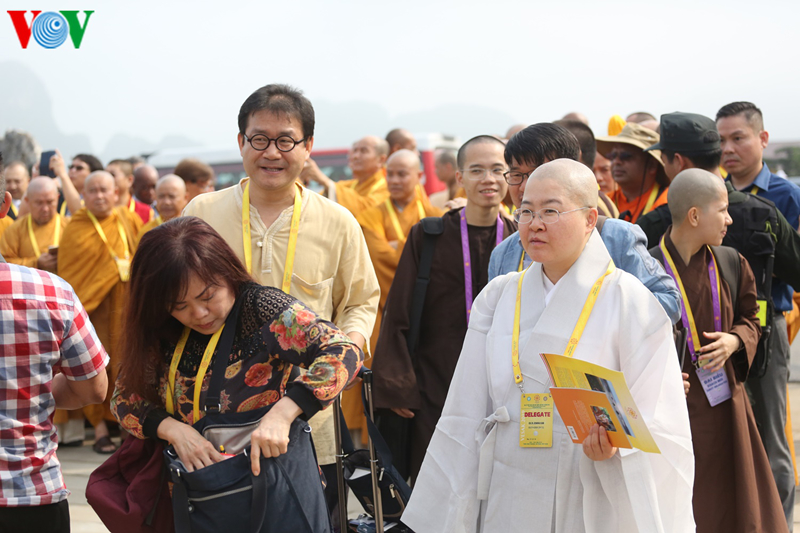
(261, 142)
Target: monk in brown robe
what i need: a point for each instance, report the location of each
(28, 241)
(385, 229)
(414, 384)
(734, 490)
(98, 270)
(171, 197)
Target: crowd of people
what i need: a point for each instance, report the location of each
(665, 249)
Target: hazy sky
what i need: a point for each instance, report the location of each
(148, 70)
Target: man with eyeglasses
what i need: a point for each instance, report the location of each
(486, 469)
(640, 175)
(414, 383)
(535, 146)
(290, 237)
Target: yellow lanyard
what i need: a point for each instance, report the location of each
(684, 296)
(295, 226)
(102, 234)
(396, 222)
(131, 205)
(521, 261)
(14, 210)
(201, 372)
(576, 333)
(159, 220)
(650, 201)
(754, 191)
(35, 243)
(63, 208)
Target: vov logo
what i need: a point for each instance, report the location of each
(50, 29)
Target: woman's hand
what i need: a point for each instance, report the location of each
(596, 445)
(716, 353)
(194, 451)
(271, 438)
(686, 383)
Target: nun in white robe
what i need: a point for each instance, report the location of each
(477, 478)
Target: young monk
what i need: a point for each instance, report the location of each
(476, 476)
(734, 490)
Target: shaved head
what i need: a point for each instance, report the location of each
(42, 184)
(400, 139)
(42, 198)
(575, 178)
(144, 183)
(403, 172)
(580, 117)
(100, 193)
(513, 130)
(380, 146)
(405, 157)
(693, 187)
(171, 196)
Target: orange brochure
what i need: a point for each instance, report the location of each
(586, 394)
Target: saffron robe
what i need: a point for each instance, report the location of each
(635, 206)
(419, 380)
(734, 490)
(85, 262)
(541, 490)
(379, 232)
(357, 196)
(16, 245)
(5, 223)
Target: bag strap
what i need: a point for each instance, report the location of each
(258, 509)
(381, 448)
(729, 269)
(432, 227)
(601, 219)
(224, 348)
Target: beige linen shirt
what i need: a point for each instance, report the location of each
(332, 273)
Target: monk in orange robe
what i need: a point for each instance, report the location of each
(171, 198)
(386, 227)
(368, 186)
(94, 257)
(28, 241)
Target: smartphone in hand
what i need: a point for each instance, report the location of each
(44, 164)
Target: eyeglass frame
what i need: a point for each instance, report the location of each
(270, 141)
(485, 172)
(525, 175)
(518, 214)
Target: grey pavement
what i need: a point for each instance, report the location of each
(78, 463)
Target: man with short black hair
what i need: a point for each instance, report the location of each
(586, 139)
(544, 142)
(414, 382)
(290, 237)
(49, 328)
(743, 139)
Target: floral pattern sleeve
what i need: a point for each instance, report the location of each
(131, 410)
(299, 337)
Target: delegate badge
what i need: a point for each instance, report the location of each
(536, 421)
(124, 267)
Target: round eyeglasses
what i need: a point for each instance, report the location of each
(261, 142)
(478, 173)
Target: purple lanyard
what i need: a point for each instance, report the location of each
(687, 317)
(467, 258)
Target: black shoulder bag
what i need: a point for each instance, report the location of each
(286, 497)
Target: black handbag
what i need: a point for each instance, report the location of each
(286, 497)
(394, 490)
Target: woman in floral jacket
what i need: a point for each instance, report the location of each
(184, 282)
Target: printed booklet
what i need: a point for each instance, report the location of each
(586, 394)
